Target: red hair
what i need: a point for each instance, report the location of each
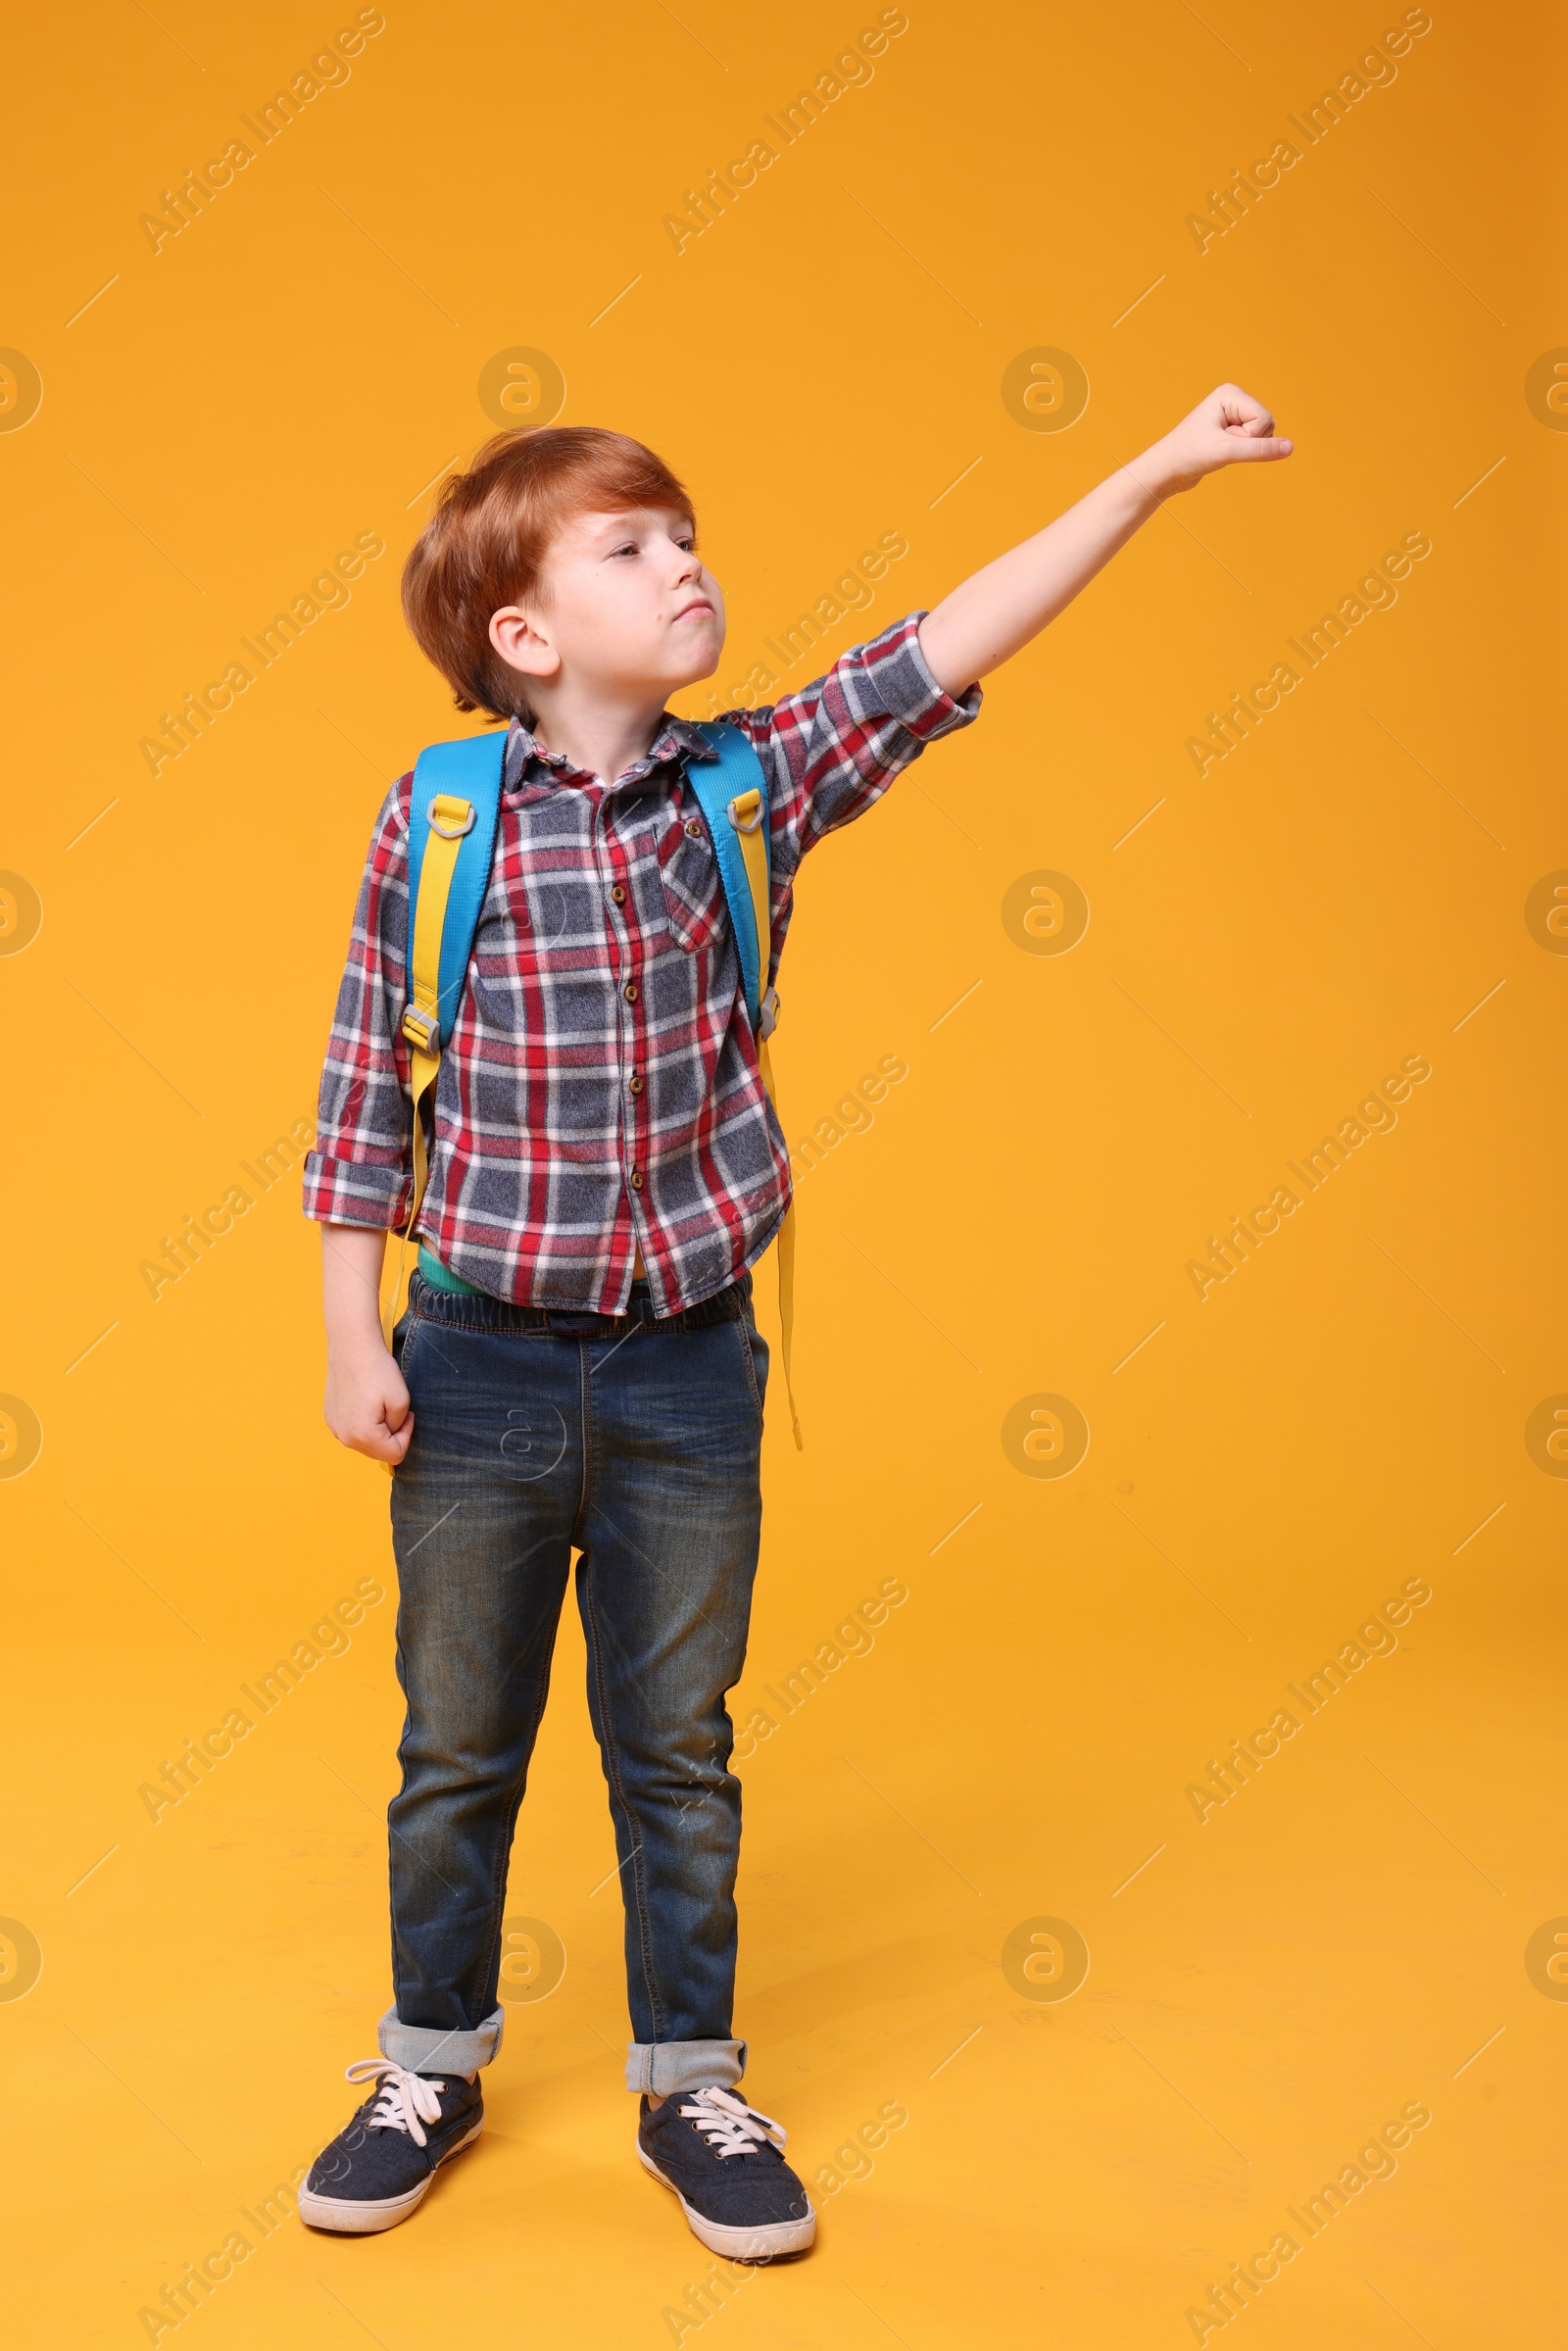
(485, 545)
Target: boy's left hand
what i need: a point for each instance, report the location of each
(1228, 429)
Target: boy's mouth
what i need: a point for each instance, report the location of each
(699, 604)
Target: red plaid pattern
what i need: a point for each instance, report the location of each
(600, 1091)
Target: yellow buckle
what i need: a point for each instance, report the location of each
(752, 800)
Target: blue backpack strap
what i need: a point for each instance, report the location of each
(732, 794)
(736, 771)
(469, 770)
(455, 794)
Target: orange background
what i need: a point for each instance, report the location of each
(1347, 1412)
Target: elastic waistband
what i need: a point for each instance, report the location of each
(475, 1311)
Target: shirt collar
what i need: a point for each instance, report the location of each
(676, 739)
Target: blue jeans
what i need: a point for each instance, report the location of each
(636, 1441)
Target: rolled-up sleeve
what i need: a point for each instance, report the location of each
(361, 1168)
(832, 748)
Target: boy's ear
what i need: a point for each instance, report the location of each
(521, 643)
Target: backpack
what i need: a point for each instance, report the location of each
(454, 810)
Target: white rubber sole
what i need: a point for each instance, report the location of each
(739, 2244)
(361, 2216)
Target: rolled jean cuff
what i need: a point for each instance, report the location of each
(665, 2067)
(423, 2049)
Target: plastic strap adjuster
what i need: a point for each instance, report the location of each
(421, 1028)
(448, 830)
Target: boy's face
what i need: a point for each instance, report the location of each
(626, 606)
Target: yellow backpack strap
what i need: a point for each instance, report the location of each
(748, 815)
(451, 819)
(454, 812)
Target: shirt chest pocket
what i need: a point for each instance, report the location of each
(694, 894)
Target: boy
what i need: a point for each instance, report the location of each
(578, 1366)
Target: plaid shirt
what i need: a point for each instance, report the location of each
(600, 1089)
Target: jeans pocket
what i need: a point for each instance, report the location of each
(404, 1335)
(754, 1352)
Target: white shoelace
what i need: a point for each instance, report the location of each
(731, 2126)
(407, 2100)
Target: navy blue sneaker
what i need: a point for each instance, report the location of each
(722, 2158)
(378, 2168)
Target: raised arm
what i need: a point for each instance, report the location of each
(984, 622)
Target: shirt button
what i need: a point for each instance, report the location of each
(631, 992)
(636, 1179)
(635, 1084)
(695, 829)
(618, 894)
